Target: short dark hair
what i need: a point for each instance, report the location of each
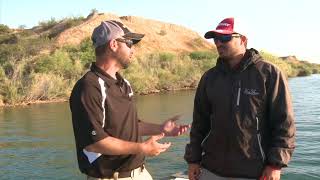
(101, 50)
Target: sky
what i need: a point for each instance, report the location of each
(280, 27)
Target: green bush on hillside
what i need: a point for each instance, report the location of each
(47, 86)
(11, 92)
(315, 71)
(10, 52)
(2, 74)
(48, 24)
(84, 53)
(165, 59)
(302, 69)
(74, 21)
(304, 72)
(4, 29)
(26, 33)
(284, 66)
(198, 55)
(60, 64)
(8, 39)
(14, 82)
(23, 48)
(32, 68)
(165, 71)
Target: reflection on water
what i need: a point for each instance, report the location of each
(36, 142)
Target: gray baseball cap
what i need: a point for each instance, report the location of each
(109, 30)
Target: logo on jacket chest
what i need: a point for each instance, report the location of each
(251, 92)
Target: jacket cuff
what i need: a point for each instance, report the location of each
(192, 155)
(279, 157)
(274, 167)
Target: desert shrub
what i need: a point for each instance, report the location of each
(11, 91)
(4, 29)
(8, 39)
(48, 24)
(23, 48)
(304, 72)
(284, 66)
(47, 87)
(84, 52)
(58, 63)
(162, 32)
(198, 55)
(166, 56)
(74, 21)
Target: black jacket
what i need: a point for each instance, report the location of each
(242, 119)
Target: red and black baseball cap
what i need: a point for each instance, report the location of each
(225, 27)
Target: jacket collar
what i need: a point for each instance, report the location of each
(250, 57)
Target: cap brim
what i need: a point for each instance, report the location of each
(213, 33)
(135, 37)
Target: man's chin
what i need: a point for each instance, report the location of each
(125, 66)
(221, 55)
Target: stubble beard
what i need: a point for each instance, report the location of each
(124, 62)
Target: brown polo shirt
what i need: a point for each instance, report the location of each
(102, 106)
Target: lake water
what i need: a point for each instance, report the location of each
(36, 142)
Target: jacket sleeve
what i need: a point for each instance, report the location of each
(281, 120)
(200, 124)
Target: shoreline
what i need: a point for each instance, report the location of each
(156, 91)
(33, 102)
(67, 98)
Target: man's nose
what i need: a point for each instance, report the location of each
(217, 43)
(132, 50)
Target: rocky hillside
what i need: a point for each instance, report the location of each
(43, 63)
(159, 36)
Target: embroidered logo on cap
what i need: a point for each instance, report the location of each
(224, 24)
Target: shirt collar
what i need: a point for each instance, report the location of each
(106, 77)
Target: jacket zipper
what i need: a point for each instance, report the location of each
(207, 136)
(239, 94)
(259, 141)
(204, 140)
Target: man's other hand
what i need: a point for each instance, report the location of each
(171, 128)
(152, 148)
(271, 173)
(194, 171)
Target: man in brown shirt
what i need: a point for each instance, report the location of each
(105, 121)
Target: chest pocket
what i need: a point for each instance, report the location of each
(252, 96)
(250, 105)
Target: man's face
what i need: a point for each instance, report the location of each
(124, 52)
(228, 46)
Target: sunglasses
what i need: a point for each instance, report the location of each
(225, 38)
(128, 42)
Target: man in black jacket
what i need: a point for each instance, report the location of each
(243, 124)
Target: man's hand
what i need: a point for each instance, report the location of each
(152, 148)
(271, 173)
(170, 128)
(194, 171)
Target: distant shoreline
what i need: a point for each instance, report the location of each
(66, 99)
(141, 94)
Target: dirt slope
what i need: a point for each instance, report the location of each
(159, 36)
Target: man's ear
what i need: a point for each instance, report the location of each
(113, 45)
(244, 40)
